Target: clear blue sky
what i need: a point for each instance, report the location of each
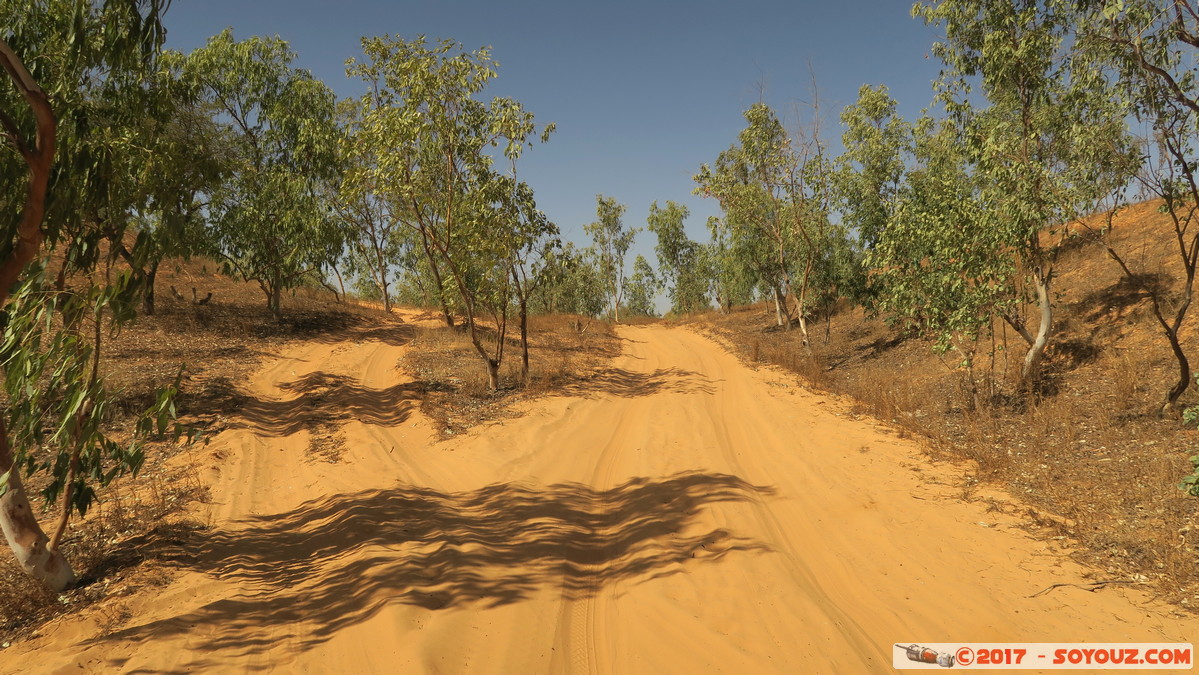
(642, 92)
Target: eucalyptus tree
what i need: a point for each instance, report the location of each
(431, 142)
(611, 242)
(840, 274)
(774, 193)
(1149, 47)
(535, 241)
(809, 211)
(72, 68)
(941, 265)
(186, 157)
(732, 281)
(372, 245)
(573, 285)
(375, 235)
(503, 258)
(482, 259)
(385, 160)
(1050, 141)
(272, 219)
(868, 178)
(749, 181)
(682, 263)
(870, 172)
(643, 285)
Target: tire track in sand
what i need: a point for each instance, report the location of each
(681, 564)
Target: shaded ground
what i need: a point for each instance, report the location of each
(337, 561)
(219, 345)
(566, 353)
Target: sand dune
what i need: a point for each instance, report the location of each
(680, 513)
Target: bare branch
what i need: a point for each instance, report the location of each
(1180, 23)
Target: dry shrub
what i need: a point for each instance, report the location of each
(1125, 370)
(563, 350)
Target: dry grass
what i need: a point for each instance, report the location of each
(114, 550)
(217, 344)
(563, 349)
(1088, 459)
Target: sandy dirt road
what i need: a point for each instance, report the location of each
(681, 513)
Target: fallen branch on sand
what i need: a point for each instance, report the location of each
(1092, 587)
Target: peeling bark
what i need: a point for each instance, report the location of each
(24, 535)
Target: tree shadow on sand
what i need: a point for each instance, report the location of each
(336, 562)
(324, 398)
(633, 384)
(332, 329)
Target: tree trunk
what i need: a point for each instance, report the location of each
(803, 332)
(801, 299)
(493, 374)
(22, 532)
(39, 157)
(148, 299)
(274, 300)
(1170, 407)
(493, 364)
(524, 342)
(68, 495)
(1019, 327)
(1190, 259)
(384, 287)
(445, 307)
(1184, 365)
(341, 300)
(800, 307)
(341, 297)
(1032, 360)
(338, 296)
(779, 309)
(471, 325)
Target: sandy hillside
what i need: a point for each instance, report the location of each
(679, 514)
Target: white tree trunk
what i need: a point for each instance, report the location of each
(803, 331)
(1032, 360)
(26, 539)
(778, 309)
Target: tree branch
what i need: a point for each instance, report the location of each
(29, 232)
(14, 135)
(1018, 326)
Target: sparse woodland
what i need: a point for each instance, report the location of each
(121, 158)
